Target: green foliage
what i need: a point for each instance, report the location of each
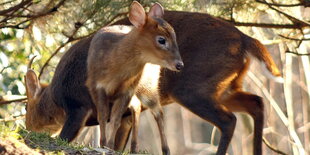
(42, 142)
(13, 59)
(39, 141)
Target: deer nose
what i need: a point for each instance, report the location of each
(179, 65)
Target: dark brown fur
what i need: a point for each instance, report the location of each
(214, 54)
(210, 85)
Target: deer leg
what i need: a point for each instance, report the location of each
(120, 106)
(75, 120)
(123, 133)
(253, 105)
(159, 117)
(135, 113)
(210, 110)
(102, 106)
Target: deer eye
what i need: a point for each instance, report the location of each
(161, 40)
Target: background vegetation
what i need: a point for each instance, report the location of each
(47, 28)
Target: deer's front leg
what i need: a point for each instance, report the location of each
(120, 105)
(102, 105)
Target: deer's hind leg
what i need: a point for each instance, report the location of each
(199, 98)
(252, 104)
(241, 101)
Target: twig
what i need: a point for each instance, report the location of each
(298, 54)
(296, 21)
(10, 101)
(278, 110)
(264, 25)
(2, 70)
(295, 39)
(29, 17)
(16, 7)
(71, 39)
(280, 5)
(50, 58)
(272, 147)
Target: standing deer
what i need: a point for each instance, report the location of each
(216, 55)
(117, 56)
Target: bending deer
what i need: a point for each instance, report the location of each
(216, 55)
(117, 56)
(42, 114)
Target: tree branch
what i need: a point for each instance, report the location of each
(272, 148)
(281, 5)
(295, 39)
(301, 24)
(263, 25)
(11, 101)
(71, 39)
(2, 70)
(297, 23)
(29, 17)
(298, 54)
(50, 58)
(16, 7)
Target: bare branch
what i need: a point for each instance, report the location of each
(295, 20)
(264, 25)
(298, 54)
(50, 58)
(16, 7)
(281, 5)
(297, 23)
(29, 17)
(301, 24)
(295, 39)
(2, 70)
(11, 101)
(71, 39)
(272, 147)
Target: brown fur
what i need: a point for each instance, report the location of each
(42, 114)
(115, 65)
(210, 85)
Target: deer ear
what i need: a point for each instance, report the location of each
(156, 11)
(137, 15)
(32, 84)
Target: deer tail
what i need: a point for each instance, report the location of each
(260, 52)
